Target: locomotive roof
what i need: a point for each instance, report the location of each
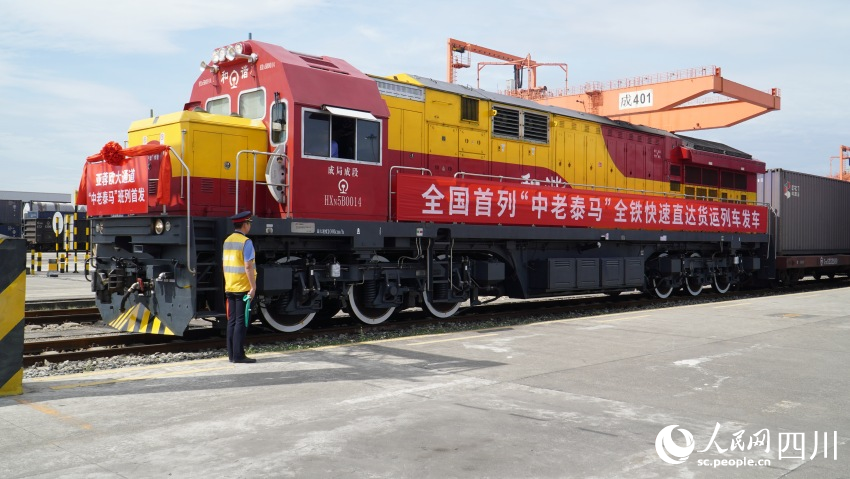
(713, 147)
(532, 105)
(689, 142)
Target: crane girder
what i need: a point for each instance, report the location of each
(659, 104)
(697, 117)
(668, 102)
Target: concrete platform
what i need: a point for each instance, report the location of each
(63, 286)
(571, 398)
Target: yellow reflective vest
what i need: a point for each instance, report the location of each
(233, 262)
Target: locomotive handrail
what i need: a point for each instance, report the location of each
(188, 209)
(390, 188)
(254, 154)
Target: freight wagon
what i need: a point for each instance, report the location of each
(812, 229)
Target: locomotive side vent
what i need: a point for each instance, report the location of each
(506, 122)
(536, 127)
(208, 186)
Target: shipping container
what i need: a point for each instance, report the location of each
(34, 215)
(40, 235)
(11, 212)
(13, 231)
(811, 216)
(47, 206)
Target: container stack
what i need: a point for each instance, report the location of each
(10, 218)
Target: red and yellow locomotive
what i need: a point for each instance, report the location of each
(376, 194)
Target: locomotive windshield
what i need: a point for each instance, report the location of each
(219, 106)
(252, 104)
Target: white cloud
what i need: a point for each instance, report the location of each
(117, 26)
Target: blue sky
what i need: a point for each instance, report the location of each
(76, 74)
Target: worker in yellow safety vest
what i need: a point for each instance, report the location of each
(240, 285)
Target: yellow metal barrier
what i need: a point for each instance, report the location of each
(52, 267)
(13, 255)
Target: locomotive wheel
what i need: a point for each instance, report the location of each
(662, 287)
(285, 323)
(693, 285)
(439, 310)
(363, 312)
(721, 284)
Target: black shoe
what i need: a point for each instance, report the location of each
(245, 360)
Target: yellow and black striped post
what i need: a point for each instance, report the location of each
(68, 239)
(74, 245)
(32, 262)
(38, 267)
(13, 281)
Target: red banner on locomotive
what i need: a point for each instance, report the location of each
(118, 189)
(457, 200)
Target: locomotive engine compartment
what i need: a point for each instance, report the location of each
(377, 194)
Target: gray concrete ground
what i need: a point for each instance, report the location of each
(572, 398)
(43, 287)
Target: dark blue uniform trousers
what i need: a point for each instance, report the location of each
(236, 329)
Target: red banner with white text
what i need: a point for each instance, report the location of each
(457, 200)
(117, 189)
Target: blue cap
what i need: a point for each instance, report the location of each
(241, 217)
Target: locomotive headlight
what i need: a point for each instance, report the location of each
(158, 226)
(215, 56)
(238, 48)
(167, 226)
(99, 227)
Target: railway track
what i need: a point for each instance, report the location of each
(44, 317)
(82, 348)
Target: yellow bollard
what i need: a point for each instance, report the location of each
(52, 268)
(38, 268)
(13, 284)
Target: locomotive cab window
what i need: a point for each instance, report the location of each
(252, 104)
(278, 123)
(345, 134)
(219, 106)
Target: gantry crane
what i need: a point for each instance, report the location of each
(669, 102)
(456, 49)
(843, 156)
